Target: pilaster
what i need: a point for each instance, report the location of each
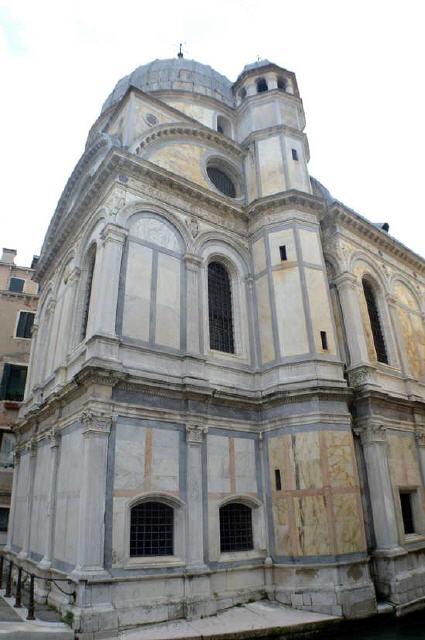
(17, 460)
(32, 452)
(195, 532)
(193, 264)
(91, 530)
(54, 442)
(347, 289)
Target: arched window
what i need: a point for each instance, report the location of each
(224, 126)
(261, 85)
(87, 292)
(151, 529)
(375, 322)
(281, 83)
(236, 528)
(220, 308)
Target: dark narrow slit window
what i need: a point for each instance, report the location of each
(235, 527)
(324, 339)
(375, 322)
(151, 529)
(294, 154)
(406, 511)
(87, 294)
(220, 308)
(278, 480)
(282, 250)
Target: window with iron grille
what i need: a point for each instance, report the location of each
(236, 527)
(151, 529)
(220, 308)
(4, 518)
(87, 293)
(221, 181)
(25, 322)
(13, 380)
(375, 322)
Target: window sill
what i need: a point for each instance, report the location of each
(232, 556)
(142, 562)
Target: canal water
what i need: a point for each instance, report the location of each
(382, 628)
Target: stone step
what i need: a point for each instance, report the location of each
(46, 626)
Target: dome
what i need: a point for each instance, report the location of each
(176, 74)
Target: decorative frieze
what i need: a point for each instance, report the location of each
(195, 433)
(95, 424)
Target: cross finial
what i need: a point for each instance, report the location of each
(180, 53)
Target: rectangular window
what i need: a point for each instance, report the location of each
(324, 339)
(4, 518)
(25, 322)
(278, 480)
(16, 285)
(12, 385)
(406, 511)
(294, 154)
(282, 250)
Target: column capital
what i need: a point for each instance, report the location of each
(372, 433)
(192, 261)
(195, 433)
(345, 279)
(54, 437)
(113, 233)
(420, 436)
(95, 424)
(31, 447)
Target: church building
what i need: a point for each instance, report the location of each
(226, 392)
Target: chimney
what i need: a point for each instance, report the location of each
(8, 255)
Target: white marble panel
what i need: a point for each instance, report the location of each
(259, 255)
(245, 470)
(40, 497)
(286, 238)
(156, 232)
(271, 166)
(319, 308)
(310, 246)
(137, 292)
(167, 331)
(290, 312)
(129, 457)
(218, 464)
(165, 460)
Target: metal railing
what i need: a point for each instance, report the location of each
(19, 584)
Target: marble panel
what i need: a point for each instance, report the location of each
(290, 312)
(312, 525)
(281, 525)
(271, 165)
(245, 470)
(320, 311)
(348, 523)
(137, 292)
(342, 470)
(259, 255)
(307, 467)
(283, 237)
(129, 458)
(310, 246)
(165, 460)
(264, 320)
(403, 460)
(40, 497)
(167, 330)
(182, 159)
(218, 464)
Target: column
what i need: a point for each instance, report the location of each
(347, 290)
(91, 529)
(195, 528)
(17, 459)
(420, 442)
(54, 440)
(30, 373)
(399, 347)
(32, 452)
(374, 443)
(193, 264)
(106, 279)
(69, 312)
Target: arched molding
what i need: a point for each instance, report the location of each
(159, 496)
(226, 246)
(370, 270)
(169, 224)
(242, 498)
(185, 133)
(90, 236)
(146, 209)
(332, 261)
(398, 278)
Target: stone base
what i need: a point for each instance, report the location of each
(400, 579)
(344, 590)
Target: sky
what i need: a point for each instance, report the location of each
(359, 66)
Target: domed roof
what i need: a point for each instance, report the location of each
(177, 74)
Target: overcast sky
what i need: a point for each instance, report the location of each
(359, 65)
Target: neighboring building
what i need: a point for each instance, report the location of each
(226, 399)
(18, 303)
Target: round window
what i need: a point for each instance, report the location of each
(222, 181)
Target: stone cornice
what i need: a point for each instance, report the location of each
(287, 200)
(13, 295)
(352, 220)
(179, 130)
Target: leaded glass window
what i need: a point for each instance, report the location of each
(220, 308)
(375, 322)
(236, 527)
(87, 293)
(221, 181)
(151, 529)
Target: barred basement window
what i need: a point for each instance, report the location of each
(87, 293)
(220, 308)
(235, 528)
(151, 529)
(222, 181)
(375, 322)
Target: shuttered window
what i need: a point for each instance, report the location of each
(16, 285)
(25, 323)
(220, 308)
(13, 380)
